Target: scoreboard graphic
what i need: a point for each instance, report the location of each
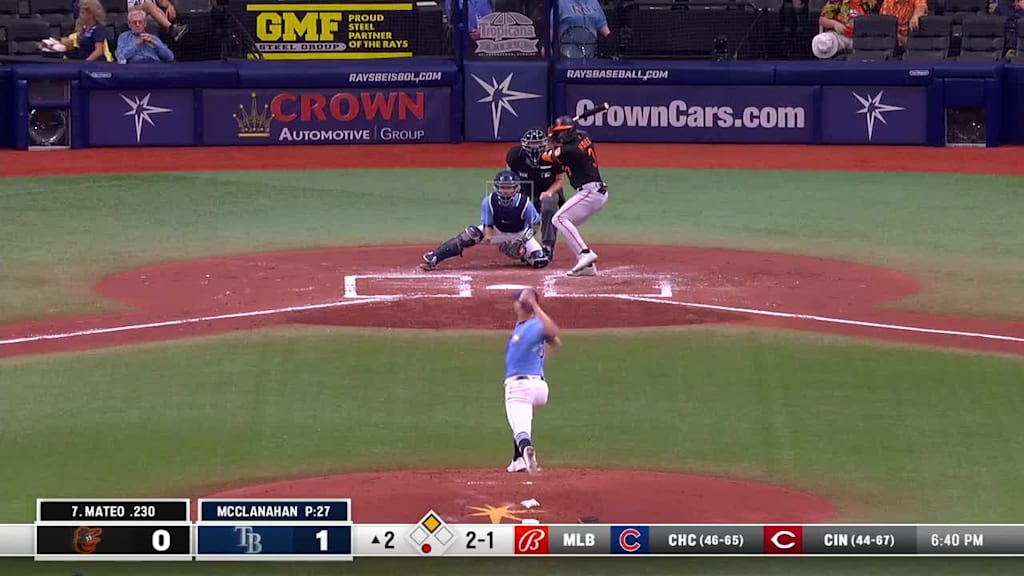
(323, 530)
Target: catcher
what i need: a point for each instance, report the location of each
(507, 218)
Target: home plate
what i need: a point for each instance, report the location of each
(507, 287)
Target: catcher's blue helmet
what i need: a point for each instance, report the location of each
(506, 186)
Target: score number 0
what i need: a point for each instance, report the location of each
(161, 540)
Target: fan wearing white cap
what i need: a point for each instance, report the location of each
(836, 22)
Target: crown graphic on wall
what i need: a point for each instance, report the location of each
(255, 123)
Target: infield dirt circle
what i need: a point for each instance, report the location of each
(561, 495)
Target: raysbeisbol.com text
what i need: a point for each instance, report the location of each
(677, 114)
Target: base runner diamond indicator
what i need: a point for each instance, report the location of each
(430, 535)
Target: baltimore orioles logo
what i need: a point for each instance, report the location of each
(86, 539)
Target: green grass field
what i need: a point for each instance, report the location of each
(889, 433)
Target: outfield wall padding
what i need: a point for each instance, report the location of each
(426, 100)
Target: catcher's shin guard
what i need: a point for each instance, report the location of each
(454, 246)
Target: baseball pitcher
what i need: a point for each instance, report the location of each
(508, 219)
(545, 181)
(574, 151)
(525, 386)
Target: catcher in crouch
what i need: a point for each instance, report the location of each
(508, 218)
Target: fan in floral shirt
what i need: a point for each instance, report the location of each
(836, 23)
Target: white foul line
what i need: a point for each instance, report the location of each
(130, 327)
(826, 319)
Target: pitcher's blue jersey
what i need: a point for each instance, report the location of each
(511, 219)
(524, 354)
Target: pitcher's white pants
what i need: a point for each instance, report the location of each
(521, 397)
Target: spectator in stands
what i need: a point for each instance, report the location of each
(586, 14)
(908, 13)
(579, 23)
(89, 40)
(474, 10)
(1013, 11)
(164, 14)
(837, 21)
(136, 45)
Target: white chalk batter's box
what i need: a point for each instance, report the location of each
(468, 285)
(409, 285)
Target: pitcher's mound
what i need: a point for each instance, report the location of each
(552, 496)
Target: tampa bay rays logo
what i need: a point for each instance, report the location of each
(499, 95)
(249, 539)
(873, 108)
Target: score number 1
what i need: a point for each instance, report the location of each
(326, 540)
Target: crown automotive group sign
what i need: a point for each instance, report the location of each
(232, 117)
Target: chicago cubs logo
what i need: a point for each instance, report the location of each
(630, 539)
(783, 540)
(532, 540)
(86, 539)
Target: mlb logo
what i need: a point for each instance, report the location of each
(783, 539)
(532, 540)
(630, 539)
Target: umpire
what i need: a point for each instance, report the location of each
(538, 177)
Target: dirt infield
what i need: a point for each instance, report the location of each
(639, 286)
(559, 496)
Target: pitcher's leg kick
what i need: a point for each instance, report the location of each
(521, 397)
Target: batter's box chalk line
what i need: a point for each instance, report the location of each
(462, 283)
(562, 286)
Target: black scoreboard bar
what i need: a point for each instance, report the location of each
(113, 541)
(113, 529)
(102, 510)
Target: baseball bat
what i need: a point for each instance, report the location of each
(592, 112)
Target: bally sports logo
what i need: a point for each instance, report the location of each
(783, 540)
(532, 540)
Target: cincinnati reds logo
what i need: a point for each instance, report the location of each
(86, 539)
(531, 540)
(628, 540)
(783, 540)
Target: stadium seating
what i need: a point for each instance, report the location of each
(959, 9)
(930, 42)
(641, 29)
(56, 13)
(983, 39)
(23, 35)
(874, 38)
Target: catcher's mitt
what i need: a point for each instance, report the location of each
(515, 248)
